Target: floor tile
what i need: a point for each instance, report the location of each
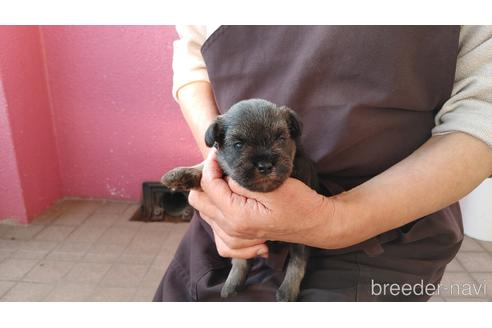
(144, 294)
(113, 294)
(38, 246)
(14, 269)
(113, 207)
(27, 292)
(153, 277)
(48, 271)
(486, 244)
(476, 261)
(116, 235)
(101, 252)
(5, 286)
(29, 254)
(485, 279)
(125, 275)
(102, 219)
(470, 244)
(71, 219)
(71, 292)
(21, 232)
(69, 251)
(10, 245)
(466, 299)
(87, 272)
(456, 284)
(454, 266)
(86, 234)
(135, 258)
(54, 233)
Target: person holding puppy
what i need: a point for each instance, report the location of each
(398, 121)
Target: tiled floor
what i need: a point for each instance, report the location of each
(85, 251)
(89, 251)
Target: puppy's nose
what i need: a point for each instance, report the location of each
(264, 167)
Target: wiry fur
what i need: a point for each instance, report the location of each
(269, 153)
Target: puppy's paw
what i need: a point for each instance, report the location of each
(229, 289)
(182, 178)
(287, 294)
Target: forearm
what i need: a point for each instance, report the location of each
(198, 106)
(439, 173)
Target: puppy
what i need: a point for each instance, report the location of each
(258, 145)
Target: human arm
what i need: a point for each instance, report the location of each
(439, 173)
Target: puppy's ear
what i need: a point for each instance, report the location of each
(215, 133)
(293, 122)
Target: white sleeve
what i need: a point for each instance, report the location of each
(188, 63)
(469, 108)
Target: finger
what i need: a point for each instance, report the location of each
(202, 203)
(243, 253)
(213, 184)
(230, 241)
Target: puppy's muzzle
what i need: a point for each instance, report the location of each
(264, 167)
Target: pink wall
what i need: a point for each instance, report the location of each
(28, 114)
(114, 120)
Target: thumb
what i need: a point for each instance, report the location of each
(212, 183)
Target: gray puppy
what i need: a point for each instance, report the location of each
(258, 145)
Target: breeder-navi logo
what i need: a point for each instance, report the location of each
(421, 288)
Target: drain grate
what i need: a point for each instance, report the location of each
(161, 204)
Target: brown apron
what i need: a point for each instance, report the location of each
(367, 97)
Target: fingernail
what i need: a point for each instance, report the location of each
(262, 253)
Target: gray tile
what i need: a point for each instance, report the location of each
(113, 207)
(470, 244)
(486, 244)
(436, 299)
(5, 286)
(10, 245)
(13, 269)
(27, 292)
(125, 275)
(476, 261)
(113, 294)
(69, 251)
(48, 271)
(117, 235)
(6, 253)
(153, 277)
(454, 266)
(144, 246)
(71, 292)
(456, 284)
(144, 294)
(135, 259)
(86, 233)
(54, 233)
(484, 279)
(102, 219)
(466, 299)
(29, 255)
(172, 240)
(101, 252)
(71, 219)
(88, 272)
(21, 232)
(38, 245)
(47, 217)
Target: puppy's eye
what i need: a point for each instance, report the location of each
(238, 145)
(281, 138)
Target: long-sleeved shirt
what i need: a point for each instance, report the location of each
(468, 110)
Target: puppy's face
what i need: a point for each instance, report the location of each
(256, 143)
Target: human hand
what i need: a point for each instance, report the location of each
(243, 220)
